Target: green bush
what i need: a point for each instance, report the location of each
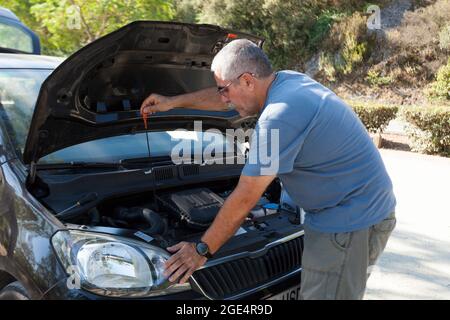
(375, 117)
(283, 23)
(326, 66)
(294, 30)
(428, 129)
(347, 46)
(65, 26)
(441, 87)
(375, 79)
(320, 29)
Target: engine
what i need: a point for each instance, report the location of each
(196, 207)
(173, 214)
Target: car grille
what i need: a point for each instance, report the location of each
(234, 277)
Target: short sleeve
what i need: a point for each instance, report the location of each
(274, 147)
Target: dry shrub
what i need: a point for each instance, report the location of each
(444, 37)
(416, 44)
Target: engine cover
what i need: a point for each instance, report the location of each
(197, 207)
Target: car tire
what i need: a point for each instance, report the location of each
(14, 291)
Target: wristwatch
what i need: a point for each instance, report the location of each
(203, 249)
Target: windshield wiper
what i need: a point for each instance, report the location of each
(146, 160)
(121, 164)
(78, 164)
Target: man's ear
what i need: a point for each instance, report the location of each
(249, 81)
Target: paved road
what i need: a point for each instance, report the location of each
(416, 261)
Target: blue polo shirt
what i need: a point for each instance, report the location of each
(323, 156)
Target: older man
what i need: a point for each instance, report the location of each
(326, 161)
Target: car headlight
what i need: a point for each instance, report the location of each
(113, 266)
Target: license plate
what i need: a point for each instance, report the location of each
(289, 294)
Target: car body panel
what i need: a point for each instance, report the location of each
(25, 61)
(25, 229)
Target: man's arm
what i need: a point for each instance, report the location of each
(205, 99)
(230, 217)
(235, 209)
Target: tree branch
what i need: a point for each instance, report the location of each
(83, 21)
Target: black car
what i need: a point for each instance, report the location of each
(16, 36)
(90, 197)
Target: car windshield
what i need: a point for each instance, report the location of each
(19, 89)
(161, 144)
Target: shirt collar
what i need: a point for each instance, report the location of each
(268, 93)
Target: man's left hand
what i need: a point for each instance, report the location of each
(184, 262)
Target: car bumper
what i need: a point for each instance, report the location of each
(61, 291)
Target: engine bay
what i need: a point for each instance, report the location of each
(173, 215)
(170, 206)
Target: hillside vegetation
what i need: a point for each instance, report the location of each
(402, 65)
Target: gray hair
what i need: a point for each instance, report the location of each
(240, 56)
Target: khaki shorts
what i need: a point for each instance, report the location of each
(337, 265)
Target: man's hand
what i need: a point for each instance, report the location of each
(155, 103)
(233, 212)
(184, 262)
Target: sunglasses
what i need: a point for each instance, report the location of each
(223, 90)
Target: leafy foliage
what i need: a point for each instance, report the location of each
(429, 129)
(64, 26)
(441, 87)
(293, 29)
(375, 117)
(346, 46)
(374, 78)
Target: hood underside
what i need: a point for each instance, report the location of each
(97, 91)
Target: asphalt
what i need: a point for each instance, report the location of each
(416, 261)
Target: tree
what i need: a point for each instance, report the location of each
(64, 26)
(186, 10)
(285, 24)
(293, 29)
(22, 10)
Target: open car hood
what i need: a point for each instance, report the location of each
(97, 91)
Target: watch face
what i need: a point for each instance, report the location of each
(202, 248)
